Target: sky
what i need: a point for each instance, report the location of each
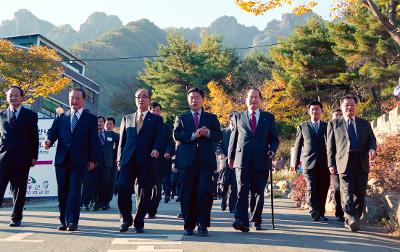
(164, 13)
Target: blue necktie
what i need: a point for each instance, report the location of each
(352, 135)
(74, 121)
(102, 137)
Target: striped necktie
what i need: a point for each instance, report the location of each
(74, 121)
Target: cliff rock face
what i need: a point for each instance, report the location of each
(24, 22)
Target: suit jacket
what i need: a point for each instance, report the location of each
(223, 145)
(183, 131)
(338, 143)
(81, 144)
(110, 148)
(169, 143)
(22, 140)
(244, 146)
(150, 137)
(310, 146)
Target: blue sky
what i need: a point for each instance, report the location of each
(164, 13)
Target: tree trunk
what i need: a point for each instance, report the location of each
(390, 28)
(376, 94)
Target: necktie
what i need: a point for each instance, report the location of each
(253, 123)
(13, 119)
(315, 126)
(196, 119)
(352, 135)
(74, 121)
(140, 122)
(101, 137)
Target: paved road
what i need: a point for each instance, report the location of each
(99, 232)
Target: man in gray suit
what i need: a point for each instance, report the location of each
(351, 144)
(254, 141)
(140, 144)
(310, 148)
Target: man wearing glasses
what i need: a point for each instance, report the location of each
(141, 139)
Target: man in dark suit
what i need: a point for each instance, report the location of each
(109, 171)
(93, 179)
(163, 164)
(141, 141)
(310, 148)
(351, 144)
(19, 146)
(337, 113)
(254, 141)
(228, 176)
(196, 131)
(77, 145)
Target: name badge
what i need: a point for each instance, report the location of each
(109, 139)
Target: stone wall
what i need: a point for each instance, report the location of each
(387, 124)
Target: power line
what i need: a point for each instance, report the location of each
(130, 58)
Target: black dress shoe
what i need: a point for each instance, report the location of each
(354, 225)
(257, 226)
(124, 227)
(202, 231)
(166, 199)
(187, 232)
(239, 225)
(72, 227)
(223, 205)
(138, 230)
(15, 223)
(178, 199)
(151, 216)
(180, 216)
(323, 218)
(315, 216)
(62, 228)
(340, 218)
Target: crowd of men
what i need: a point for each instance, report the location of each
(148, 157)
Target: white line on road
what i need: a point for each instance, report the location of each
(150, 239)
(147, 249)
(20, 238)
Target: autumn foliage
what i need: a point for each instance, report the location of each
(386, 167)
(36, 70)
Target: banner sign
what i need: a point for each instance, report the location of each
(42, 177)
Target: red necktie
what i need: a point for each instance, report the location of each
(196, 119)
(253, 123)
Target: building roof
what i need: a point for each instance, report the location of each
(63, 51)
(82, 79)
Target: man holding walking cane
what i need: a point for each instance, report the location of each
(254, 141)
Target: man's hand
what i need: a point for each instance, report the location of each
(372, 155)
(154, 153)
(204, 131)
(221, 156)
(167, 155)
(91, 165)
(197, 134)
(333, 170)
(34, 162)
(231, 161)
(47, 144)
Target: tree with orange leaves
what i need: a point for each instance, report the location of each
(386, 11)
(36, 70)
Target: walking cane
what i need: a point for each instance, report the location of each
(272, 194)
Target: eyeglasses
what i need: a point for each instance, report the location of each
(142, 97)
